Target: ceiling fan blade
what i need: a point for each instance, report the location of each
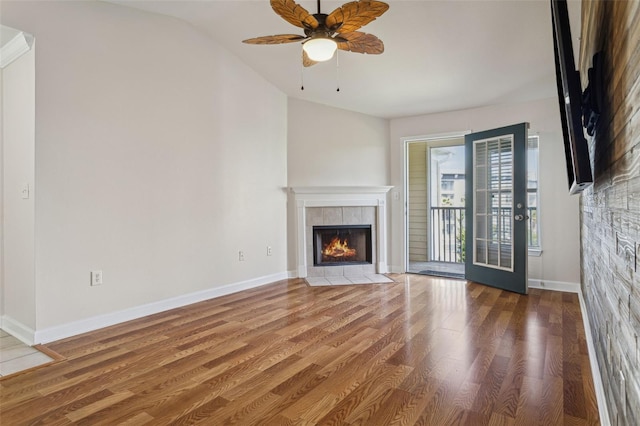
(354, 15)
(306, 61)
(275, 39)
(359, 42)
(294, 14)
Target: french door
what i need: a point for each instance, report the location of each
(496, 207)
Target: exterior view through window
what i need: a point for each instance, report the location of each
(436, 201)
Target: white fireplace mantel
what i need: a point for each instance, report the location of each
(340, 196)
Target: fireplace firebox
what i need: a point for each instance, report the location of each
(342, 245)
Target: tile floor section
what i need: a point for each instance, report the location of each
(15, 356)
(342, 280)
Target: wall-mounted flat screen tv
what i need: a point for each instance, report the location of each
(569, 97)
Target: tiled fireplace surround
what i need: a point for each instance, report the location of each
(341, 205)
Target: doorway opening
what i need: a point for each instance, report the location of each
(435, 222)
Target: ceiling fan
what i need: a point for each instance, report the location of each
(326, 33)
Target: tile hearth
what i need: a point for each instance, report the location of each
(348, 280)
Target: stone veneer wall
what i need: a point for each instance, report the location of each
(610, 211)
(340, 216)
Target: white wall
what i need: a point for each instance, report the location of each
(158, 157)
(18, 272)
(330, 146)
(1, 201)
(560, 231)
(333, 147)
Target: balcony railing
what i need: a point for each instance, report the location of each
(448, 231)
(447, 234)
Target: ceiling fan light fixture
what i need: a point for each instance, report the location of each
(320, 48)
(324, 34)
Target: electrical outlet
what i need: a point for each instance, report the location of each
(96, 278)
(25, 191)
(241, 256)
(269, 251)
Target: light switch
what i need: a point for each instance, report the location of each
(25, 191)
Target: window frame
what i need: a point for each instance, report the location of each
(537, 249)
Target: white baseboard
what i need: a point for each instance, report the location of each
(554, 285)
(17, 330)
(89, 324)
(603, 410)
(382, 268)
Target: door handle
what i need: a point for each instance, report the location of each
(519, 217)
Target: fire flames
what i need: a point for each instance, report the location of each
(338, 248)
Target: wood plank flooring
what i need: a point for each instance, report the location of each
(423, 350)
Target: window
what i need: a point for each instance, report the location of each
(533, 200)
(447, 185)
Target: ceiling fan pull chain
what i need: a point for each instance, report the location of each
(302, 77)
(337, 72)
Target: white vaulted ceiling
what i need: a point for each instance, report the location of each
(439, 55)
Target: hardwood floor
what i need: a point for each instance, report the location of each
(424, 350)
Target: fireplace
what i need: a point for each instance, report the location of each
(340, 206)
(342, 245)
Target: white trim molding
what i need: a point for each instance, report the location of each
(554, 285)
(15, 48)
(93, 323)
(18, 330)
(601, 398)
(340, 196)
